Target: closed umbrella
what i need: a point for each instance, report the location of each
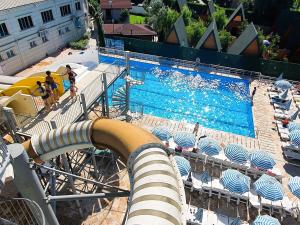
(294, 186)
(235, 181)
(183, 165)
(204, 177)
(265, 220)
(269, 188)
(284, 94)
(295, 137)
(280, 77)
(163, 133)
(262, 160)
(236, 221)
(283, 84)
(185, 139)
(209, 146)
(236, 153)
(294, 115)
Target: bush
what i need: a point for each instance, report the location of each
(79, 44)
(225, 38)
(195, 31)
(124, 15)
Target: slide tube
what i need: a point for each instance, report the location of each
(157, 193)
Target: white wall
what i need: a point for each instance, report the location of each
(19, 40)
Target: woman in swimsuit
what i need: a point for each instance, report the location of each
(50, 91)
(71, 74)
(44, 94)
(53, 85)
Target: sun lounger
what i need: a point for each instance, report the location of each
(253, 199)
(283, 106)
(282, 115)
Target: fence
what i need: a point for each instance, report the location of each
(250, 63)
(4, 160)
(20, 211)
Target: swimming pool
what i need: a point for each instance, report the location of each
(217, 102)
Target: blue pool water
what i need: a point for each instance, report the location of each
(217, 102)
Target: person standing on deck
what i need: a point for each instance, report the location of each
(53, 85)
(196, 128)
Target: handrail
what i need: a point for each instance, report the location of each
(179, 62)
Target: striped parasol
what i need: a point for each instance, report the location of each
(293, 126)
(269, 188)
(236, 221)
(209, 146)
(283, 84)
(185, 139)
(183, 165)
(262, 160)
(294, 186)
(235, 181)
(236, 153)
(163, 133)
(295, 137)
(265, 220)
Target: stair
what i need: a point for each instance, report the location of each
(119, 99)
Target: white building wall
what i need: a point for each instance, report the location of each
(18, 40)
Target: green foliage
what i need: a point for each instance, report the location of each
(187, 15)
(80, 44)
(225, 38)
(220, 17)
(161, 18)
(195, 31)
(136, 19)
(95, 9)
(124, 15)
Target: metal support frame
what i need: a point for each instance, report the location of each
(11, 123)
(28, 183)
(105, 94)
(80, 178)
(86, 196)
(84, 107)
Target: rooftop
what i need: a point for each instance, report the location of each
(9, 4)
(115, 4)
(128, 30)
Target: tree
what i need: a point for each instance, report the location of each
(124, 15)
(225, 38)
(95, 12)
(170, 3)
(220, 17)
(186, 15)
(195, 31)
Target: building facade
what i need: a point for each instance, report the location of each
(32, 30)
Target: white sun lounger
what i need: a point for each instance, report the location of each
(253, 199)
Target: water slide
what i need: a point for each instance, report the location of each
(157, 194)
(28, 85)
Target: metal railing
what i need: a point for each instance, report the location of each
(27, 124)
(21, 211)
(181, 63)
(4, 159)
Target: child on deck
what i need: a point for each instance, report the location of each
(73, 90)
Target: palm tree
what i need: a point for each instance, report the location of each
(96, 14)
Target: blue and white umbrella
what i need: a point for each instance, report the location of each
(295, 137)
(236, 153)
(262, 160)
(283, 84)
(280, 77)
(209, 146)
(294, 186)
(269, 188)
(185, 139)
(163, 133)
(236, 221)
(287, 105)
(294, 115)
(183, 165)
(265, 220)
(284, 94)
(204, 177)
(293, 126)
(235, 181)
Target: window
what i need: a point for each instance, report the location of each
(60, 32)
(44, 39)
(10, 53)
(65, 10)
(67, 29)
(32, 44)
(47, 16)
(3, 30)
(25, 22)
(77, 6)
